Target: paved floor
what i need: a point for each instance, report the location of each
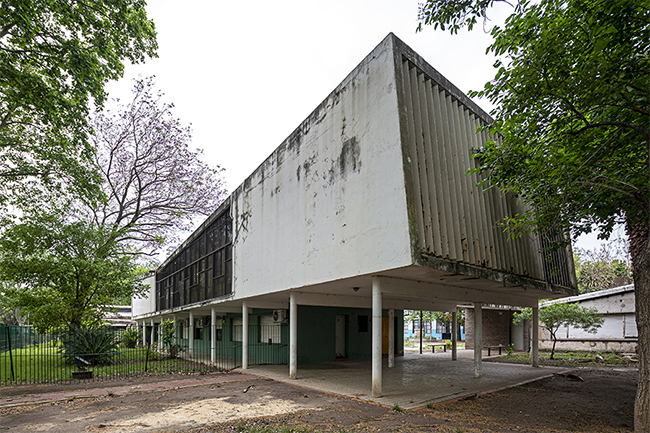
(415, 381)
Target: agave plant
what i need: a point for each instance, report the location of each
(130, 338)
(95, 344)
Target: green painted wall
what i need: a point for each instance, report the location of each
(317, 333)
(316, 336)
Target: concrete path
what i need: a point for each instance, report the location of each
(415, 381)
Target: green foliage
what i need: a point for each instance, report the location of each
(95, 344)
(56, 57)
(65, 273)
(397, 407)
(455, 15)
(9, 311)
(130, 338)
(601, 269)
(571, 92)
(571, 131)
(560, 314)
(169, 338)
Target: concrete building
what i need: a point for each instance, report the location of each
(363, 211)
(618, 333)
(120, 317)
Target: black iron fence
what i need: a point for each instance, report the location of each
(30, 357)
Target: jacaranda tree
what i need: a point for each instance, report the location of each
(70, 257)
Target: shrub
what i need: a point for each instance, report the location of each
(130, 338)
(169, 340)
(95, 344)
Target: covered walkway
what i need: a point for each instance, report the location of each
(415, 381)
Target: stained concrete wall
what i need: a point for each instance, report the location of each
(329, 203)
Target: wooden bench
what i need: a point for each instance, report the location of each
(494, 347)
(433, 346)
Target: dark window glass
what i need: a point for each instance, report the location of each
(362, 323)
(203, 270)
(201, 287)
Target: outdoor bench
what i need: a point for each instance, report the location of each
(494, 347)
(433, 346)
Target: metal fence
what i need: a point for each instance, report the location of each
(30, 357)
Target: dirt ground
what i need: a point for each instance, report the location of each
(590, 400)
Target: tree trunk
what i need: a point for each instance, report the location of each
(553, 349)
(640, 252)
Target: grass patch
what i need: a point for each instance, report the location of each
(569, 359)
(44, 363)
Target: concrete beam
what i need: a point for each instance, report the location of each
(431, 291)
(332, 300)
(417, 305)
(272, 305)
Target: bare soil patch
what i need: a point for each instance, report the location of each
(601, 402)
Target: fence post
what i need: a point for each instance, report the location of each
(11, 358)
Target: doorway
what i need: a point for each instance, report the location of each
(340, 337)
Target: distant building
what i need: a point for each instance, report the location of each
(120, 317)
(618, 333)
(364, 211)
(432, 329)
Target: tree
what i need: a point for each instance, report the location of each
(600, 269)
(168, 337)
(561, 314)
(56, 57)
(65, 273)
(75, 255)
(154, 183)
(571, 123)
(9, 313)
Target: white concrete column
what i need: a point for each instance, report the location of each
(391, 338)
(376, 337)
(160, 334)
(244, 335)
(153, 333)
(293, 336)
(478, 338)
(144, 333)
(213, 335)
(190, 337)
(175, 329)
(454, 336)
(535, 342)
